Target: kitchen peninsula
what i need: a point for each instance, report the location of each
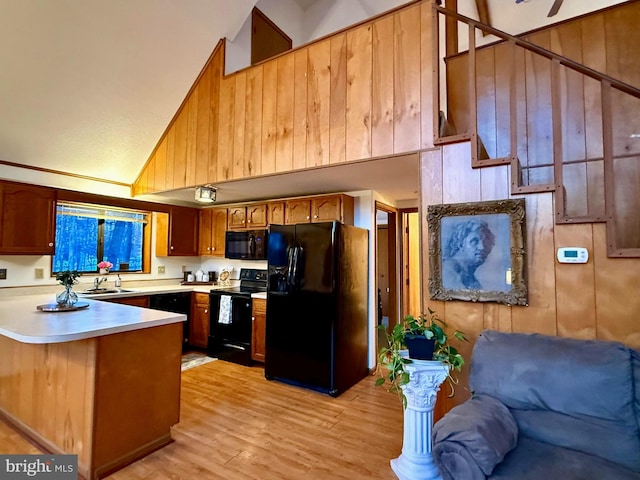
(102, 382)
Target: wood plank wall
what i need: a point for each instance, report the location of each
(597, 300)
(362, 93)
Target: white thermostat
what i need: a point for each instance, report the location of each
(573, 255)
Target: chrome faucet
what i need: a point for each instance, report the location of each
(97, 281)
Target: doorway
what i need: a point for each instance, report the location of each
(399, 287)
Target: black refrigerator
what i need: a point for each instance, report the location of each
(317, 305)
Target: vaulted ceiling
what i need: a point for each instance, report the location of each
(88, 86)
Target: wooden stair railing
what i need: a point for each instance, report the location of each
(598, 186)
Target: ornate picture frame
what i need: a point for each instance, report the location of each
(477, 251)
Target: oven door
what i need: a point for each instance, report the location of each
(230, 331)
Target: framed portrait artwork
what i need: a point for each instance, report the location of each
(477, 252)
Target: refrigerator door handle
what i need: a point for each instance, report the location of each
(290, 266)
(298, 266)
(294, 274)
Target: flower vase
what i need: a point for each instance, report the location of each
(104, 271)
(67, 298)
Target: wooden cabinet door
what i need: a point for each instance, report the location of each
(218, 230)
(257, 215)
(27, 219)
(258, 329)
(326, 209)
(275, 213)
(213, 226)
(237, 218)
(205, 226)
(199, 320)
(135, 301)
(333, 207)
(183, 231)
(297, 211)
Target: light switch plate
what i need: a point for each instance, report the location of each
(39, 273)
(160, 269)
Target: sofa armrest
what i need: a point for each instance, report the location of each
(472, 438)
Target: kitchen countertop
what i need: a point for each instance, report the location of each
(21, 321)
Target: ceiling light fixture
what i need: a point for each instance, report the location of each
(206, 194)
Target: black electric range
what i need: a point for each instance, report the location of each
(251, 281)
(230, 320)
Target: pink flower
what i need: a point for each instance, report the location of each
(105, 264)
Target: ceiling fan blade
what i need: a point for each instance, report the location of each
(554, 8)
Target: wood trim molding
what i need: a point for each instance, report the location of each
(63, 173)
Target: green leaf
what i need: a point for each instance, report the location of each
(380, 381)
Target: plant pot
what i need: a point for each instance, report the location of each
(420, 347)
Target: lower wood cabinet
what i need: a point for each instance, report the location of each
(258, 329)
(199, 320)
(142, 301)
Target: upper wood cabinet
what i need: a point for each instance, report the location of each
(275, 213)
(213, 225)
(248, 216)
(297, 211)
(326, 208)
(27, 219)
(177, 232)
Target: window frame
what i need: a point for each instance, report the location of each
(146, 234)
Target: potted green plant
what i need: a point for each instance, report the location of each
(427, 333)
(67, 278)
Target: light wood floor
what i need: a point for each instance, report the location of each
(234, 424)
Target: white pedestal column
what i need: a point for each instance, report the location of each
(416, 462)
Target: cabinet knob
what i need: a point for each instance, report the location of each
(213, 248)
(171, 248)
(315, 216)
(308, 217)
(253, 319)
(51, 244)
(206, 311)
(209, 248)
(248, 221)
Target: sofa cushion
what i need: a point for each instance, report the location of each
(589, 384)
(472, 438)
(533, 460)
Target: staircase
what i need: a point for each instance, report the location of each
(561, 106)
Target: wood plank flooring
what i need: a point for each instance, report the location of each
(235, 424)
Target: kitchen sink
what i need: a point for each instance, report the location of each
(100, 291)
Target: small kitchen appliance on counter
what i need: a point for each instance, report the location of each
(230, 316)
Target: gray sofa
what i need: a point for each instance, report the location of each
(544, 408)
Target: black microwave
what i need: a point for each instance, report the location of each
(246, 244)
